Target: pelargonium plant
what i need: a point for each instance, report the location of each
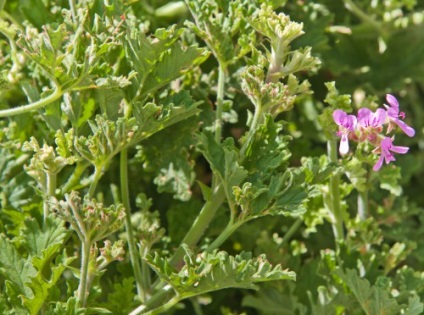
(181, 157)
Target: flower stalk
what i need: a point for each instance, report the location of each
(334, 195)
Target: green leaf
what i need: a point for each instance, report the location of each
(172, 64)
(337, 101)
(152, 118)
(209, 272)
(158, 59)
(356, 172)
(229, 37)
(16, 269)
(121, 299)
(42, 286)
(415, 307)
(36, 239)
(223, 160)
(372, 299)
(389, 177)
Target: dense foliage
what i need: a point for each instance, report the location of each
(169, 157)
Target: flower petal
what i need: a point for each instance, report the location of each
(339, 117)
(344, 145)
(379, 163)
(399, 149)
(409, 131)
(393, 102)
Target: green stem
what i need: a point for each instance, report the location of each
(85, 259)
(255, 121)
(75, 178)
(73, 11)
(296, 225)
(128, 227)
(96, 177)
(51, 190)
(200, 224)
(334, 192)
(196, 306)
(57, 93)
(276, 62)
(161, 309)
(166, 290)
(363, 204)
(352, 7)
(224, 235)
(146, 280)
(219, 103)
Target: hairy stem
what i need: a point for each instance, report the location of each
(363, 204)
(224, 235)
(201, 223)
(135, 262)
(219, 103)
(147, 307)
(75, 178)
(96, 177)
(51, 189)
(334, 205)
(85, 259)
(57, 93)
(296, 225)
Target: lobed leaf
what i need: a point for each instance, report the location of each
(209, 272)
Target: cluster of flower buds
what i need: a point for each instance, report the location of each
(369, 125)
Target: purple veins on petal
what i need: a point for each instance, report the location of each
(344, 120)
(393, 115)
(367, 118)
(386, 155)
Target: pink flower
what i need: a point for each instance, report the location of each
(366, 118)
(386, 148)
(393, 116)
(347, 124)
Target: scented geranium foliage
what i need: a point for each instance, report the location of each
(191, 157)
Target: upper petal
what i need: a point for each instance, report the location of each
(339, 117)
(392, 100)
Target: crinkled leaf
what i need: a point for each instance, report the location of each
(223, 160)
(16, 269)
(36, 239)
(372, 299)
(389, 178)
(158, 59)
(217, 270)
(121, 299)
(223, 26)
(356, 172)
(172, 64)
(39, 284)
(152, 118)
(415, 307)
(337, 101)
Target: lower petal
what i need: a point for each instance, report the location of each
(409, 131)
(378, 165)
(344, 145)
